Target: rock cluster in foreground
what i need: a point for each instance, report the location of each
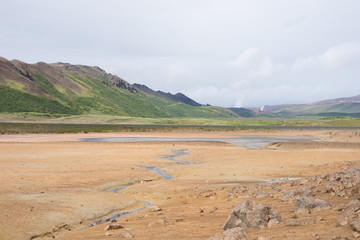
(344, 186)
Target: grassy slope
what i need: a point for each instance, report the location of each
(17, 101)
(97, 98)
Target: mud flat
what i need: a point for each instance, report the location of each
(56, 186)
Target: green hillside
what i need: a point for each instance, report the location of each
(73, 89)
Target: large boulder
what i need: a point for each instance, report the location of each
(303, 191)
(310, 205)
(344, 184)
(250, 214)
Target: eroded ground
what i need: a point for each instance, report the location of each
(55, 186)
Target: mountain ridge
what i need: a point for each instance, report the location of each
(337, 107)
(78, 89)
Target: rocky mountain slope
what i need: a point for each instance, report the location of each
(62, 88)
(177, 98)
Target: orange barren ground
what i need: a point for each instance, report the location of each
(53, 186)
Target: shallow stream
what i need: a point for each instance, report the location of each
(246, 141)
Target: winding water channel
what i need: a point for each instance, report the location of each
(161, 173)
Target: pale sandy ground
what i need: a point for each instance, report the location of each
(54, 186)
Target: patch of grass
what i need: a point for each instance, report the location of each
(49, 88)
(15, 85)
(17, 101)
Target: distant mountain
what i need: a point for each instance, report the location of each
(76, 89)
(349, 106)
(177, 98)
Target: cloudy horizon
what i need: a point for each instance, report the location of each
(228, 53)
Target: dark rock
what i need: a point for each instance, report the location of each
(250, 214)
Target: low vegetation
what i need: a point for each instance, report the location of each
(61, 123)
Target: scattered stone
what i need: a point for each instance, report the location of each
(356, 235)
(299, 222)
(157, 222)
(277, 189)
(154, 208)
(113, 226)
(126, 234)
(252, 215)
(304, 191)
(213, 210)
(212, 194)
(263, 195)
(310, 205)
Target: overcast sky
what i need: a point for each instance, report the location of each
(222, 52)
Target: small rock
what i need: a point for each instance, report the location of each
(356, 224)
(109, 233)
(212, 194)
(201, 210)
(154, 208)
(126, 234)
(157, 222)
(299, 222)
(213, 210)
(356, 235)
(112, 226)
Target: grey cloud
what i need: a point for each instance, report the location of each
(243, 53)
